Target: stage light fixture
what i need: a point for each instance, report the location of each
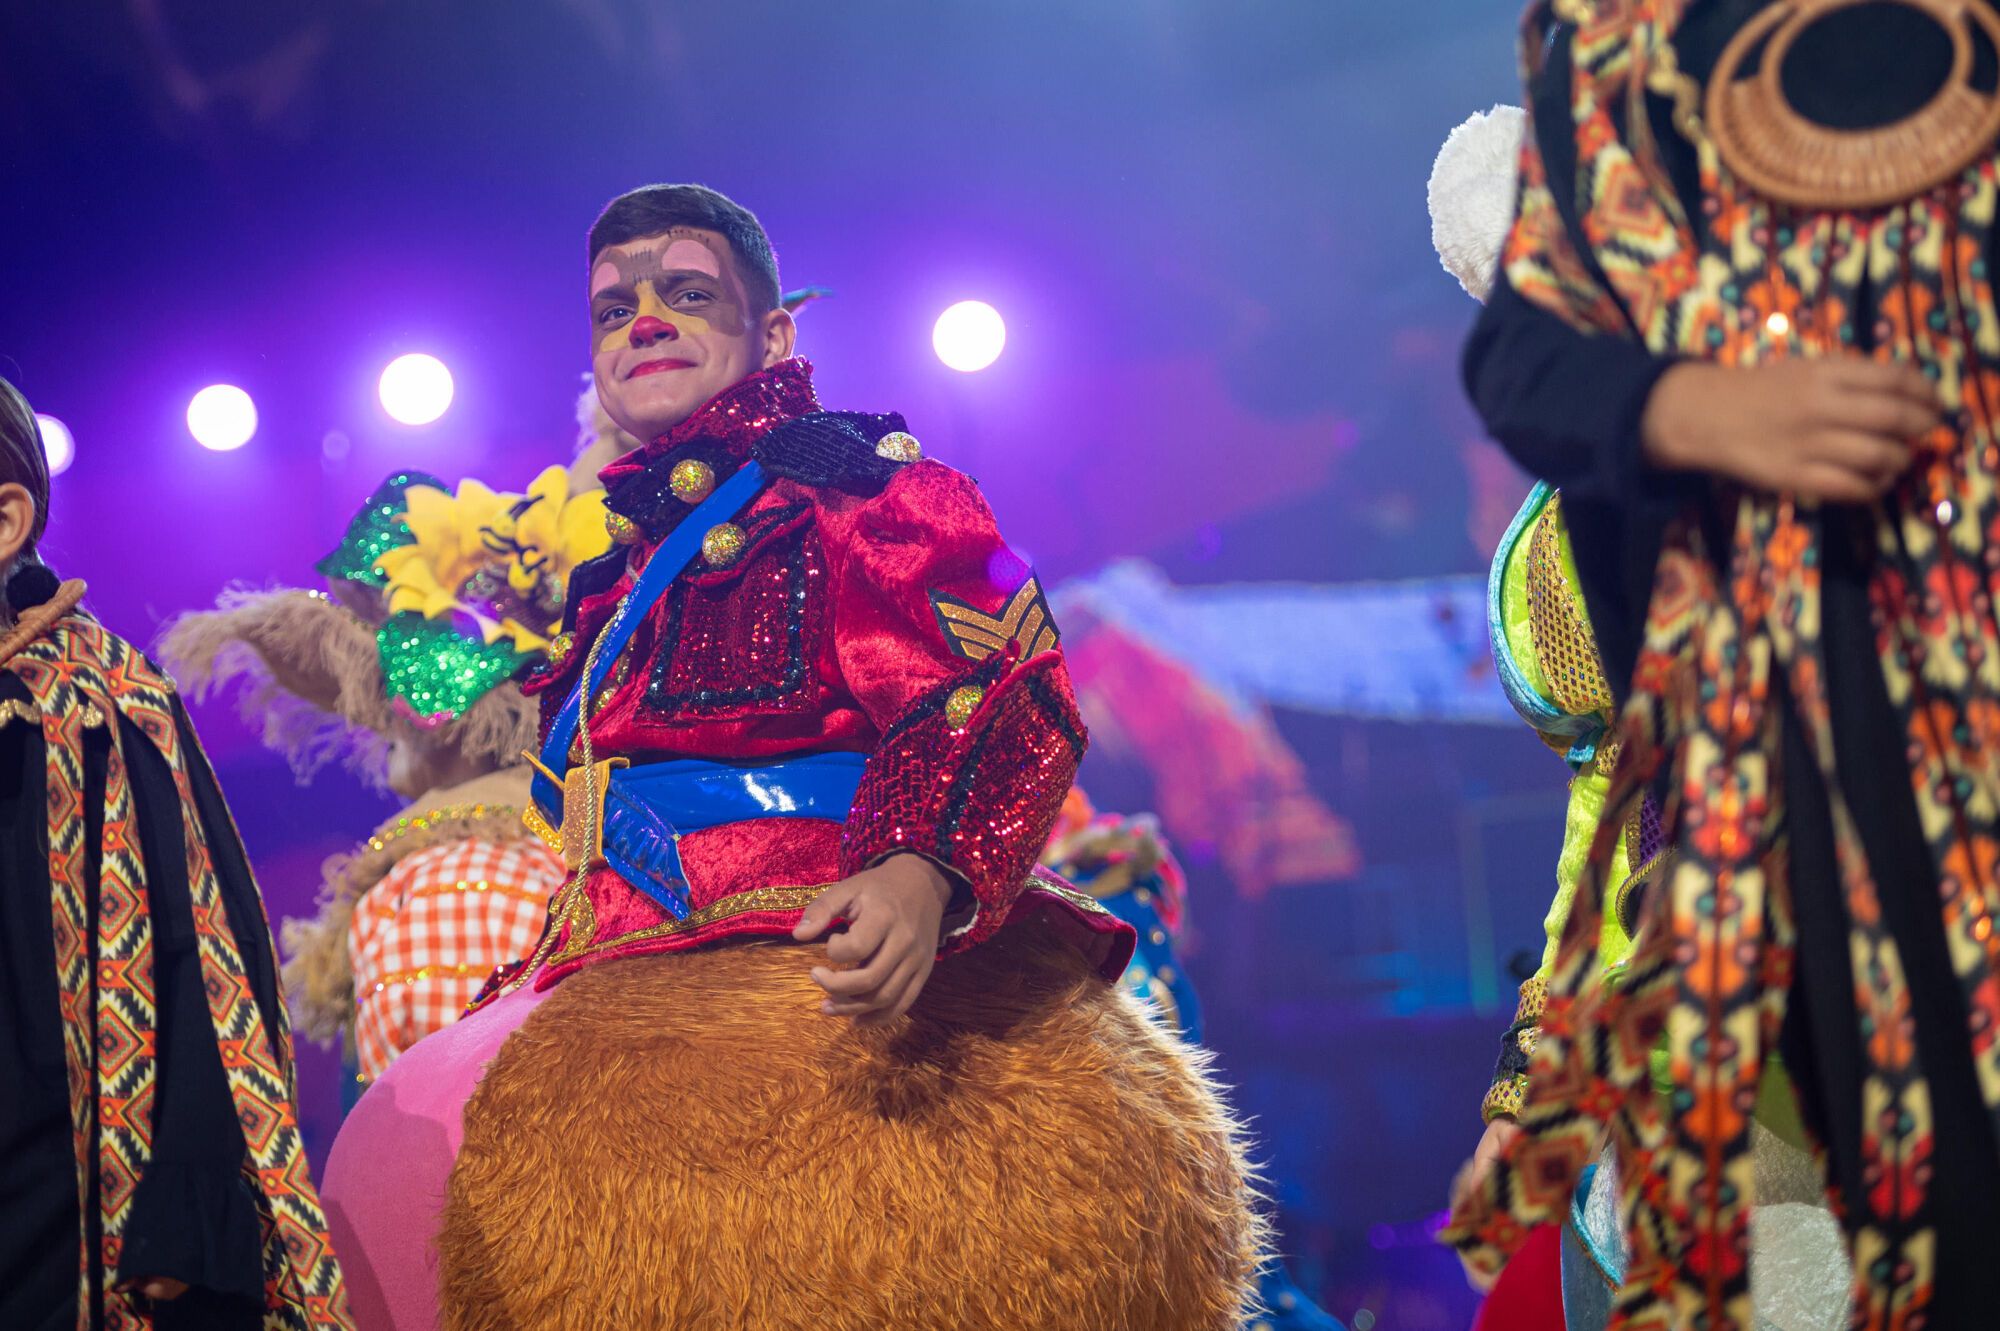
(969, 336)
(57, 443)
(416, 389)
(222, 417)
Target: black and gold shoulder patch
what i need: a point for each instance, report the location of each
(976, 635)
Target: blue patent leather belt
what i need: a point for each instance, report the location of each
(648, 808)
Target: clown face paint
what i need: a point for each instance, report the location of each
(671, 326)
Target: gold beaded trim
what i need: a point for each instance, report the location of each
(1534, 1000)
(423, 822)
(421, 973)
(1089, 905)
(13, 709)
(429, 890)
(1564, 646)
(582, 919)
(572, 906)
(1504, 1098)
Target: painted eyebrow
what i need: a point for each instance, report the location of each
(664, 281)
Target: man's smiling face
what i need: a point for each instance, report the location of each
(672, 325)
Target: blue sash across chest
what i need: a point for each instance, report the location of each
(645, 809)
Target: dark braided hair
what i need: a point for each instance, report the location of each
(23, 462)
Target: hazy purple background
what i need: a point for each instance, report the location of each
(1230, 350)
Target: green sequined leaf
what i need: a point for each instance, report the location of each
(377, 528)
(436, 672)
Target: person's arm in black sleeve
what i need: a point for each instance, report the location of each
(1569, 406)
(1565, 404)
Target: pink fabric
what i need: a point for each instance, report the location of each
(384, 1186)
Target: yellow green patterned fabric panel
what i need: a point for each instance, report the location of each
(1587, 793)
(1516, 616)
(1564, 647)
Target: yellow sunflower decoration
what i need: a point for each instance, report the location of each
(473, 581)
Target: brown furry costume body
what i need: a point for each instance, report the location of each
(685, 1141)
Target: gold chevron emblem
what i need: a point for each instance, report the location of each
(976, 635)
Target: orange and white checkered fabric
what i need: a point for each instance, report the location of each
(426, 937)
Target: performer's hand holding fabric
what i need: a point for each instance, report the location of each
(879, 963)
(1491, 1144)
(1835, 430)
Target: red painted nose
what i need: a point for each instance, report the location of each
(646, 330)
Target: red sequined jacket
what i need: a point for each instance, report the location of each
(870, 606)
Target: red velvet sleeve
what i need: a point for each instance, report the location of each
(944, 640)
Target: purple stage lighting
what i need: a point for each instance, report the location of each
(57, 442)
(416, 389)
(969, 335)
(222, 417)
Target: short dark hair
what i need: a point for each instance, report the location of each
(22, 459)
(652, 209)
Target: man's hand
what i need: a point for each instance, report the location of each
(160, 1289)
(1484, 1156)
(1833, 430)
(878, 966)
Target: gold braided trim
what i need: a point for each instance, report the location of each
(1607, 766)
(318, 973)
(13, 709)
(582, 919)
(1625, 901)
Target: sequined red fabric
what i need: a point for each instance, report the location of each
(821, 636)
(733, 418)
(976, 796)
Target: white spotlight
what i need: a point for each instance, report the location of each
(969, 335)
(57, 442)
(222, 417)
(415, 389)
